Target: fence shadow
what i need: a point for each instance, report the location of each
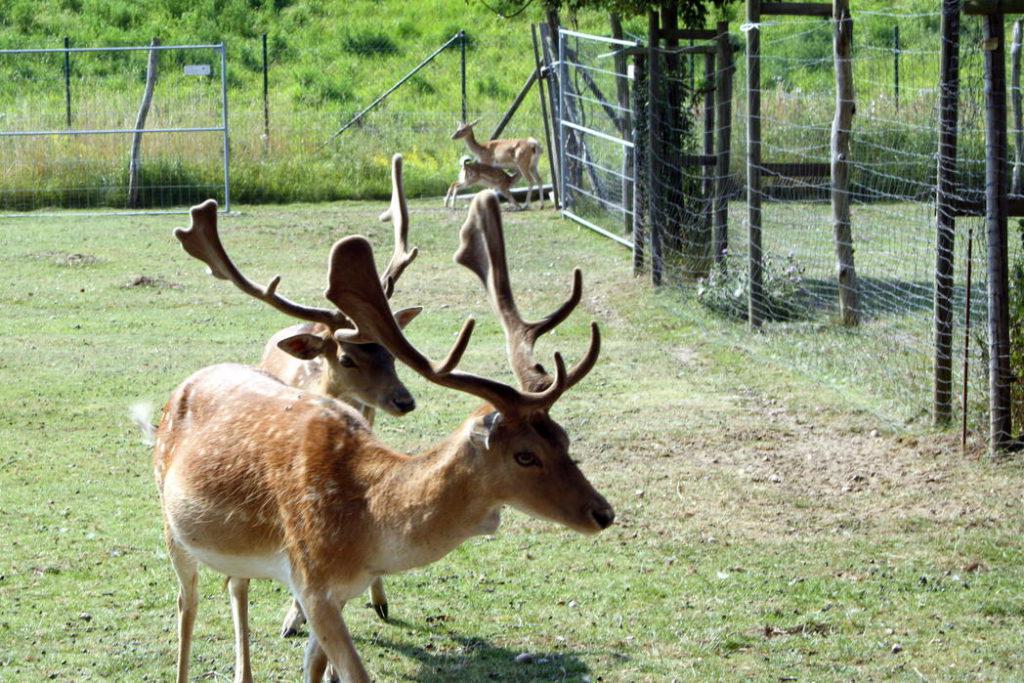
(890, 296)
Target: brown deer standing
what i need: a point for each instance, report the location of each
(522, 154)
(475, 173)
(261, 480)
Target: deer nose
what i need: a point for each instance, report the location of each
(603, 517)
(404, 404)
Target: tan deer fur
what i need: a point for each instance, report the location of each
(258, 479)
(522, 154)
(476, 173)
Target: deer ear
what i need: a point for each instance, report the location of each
(302, 346)
(483, 430)
(407, 315)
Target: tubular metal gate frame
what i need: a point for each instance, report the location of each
(563, 123)
(223, 128)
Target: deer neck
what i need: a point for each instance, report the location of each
(481, 152)
(428, 505)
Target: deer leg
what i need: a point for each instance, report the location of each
(293, 621)
(507, 194)
(378, 598)
(329, 634)
(239, 592)
(187, 569)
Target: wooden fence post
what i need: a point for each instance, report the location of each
(140, 123)
(723, 103)
(996, 210)
(544, 77)
(708, 179)
(1017, 183)
(655, 147)
(755, 303)
(625, 126)
(641, 182)
(841, 124)
(945, 221)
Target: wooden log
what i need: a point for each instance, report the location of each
(626, 127)
(945, 221)
(500, 128)
(552, 151)
(723, 147)
(797, 9)
(140, 123)
(708, 177)
(655, 147)
(841, 125)
(756, 301)
(798, 169)
(977, 206)
(641, 184)
(1000, 419)
(1017, 181)
(991, 7)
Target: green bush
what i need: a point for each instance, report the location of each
(726, 289)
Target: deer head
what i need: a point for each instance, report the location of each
(520, 451)
(464, 129)
(363, 372)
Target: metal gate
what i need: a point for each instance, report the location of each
(594, 125)
(80, 127)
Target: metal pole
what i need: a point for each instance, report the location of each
(541, 78)
(563, 75)
(67, 78)
(266, 97)
(462, 51)
(896, 63)
(224, 123)
(967, 334)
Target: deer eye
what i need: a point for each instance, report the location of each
(526, 459)
(346, 361)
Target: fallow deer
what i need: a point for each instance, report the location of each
(307, 356)
(261, 480)
(522, 154)
(475, 173)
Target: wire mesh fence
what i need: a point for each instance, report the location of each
(71, 119)
(697, 159)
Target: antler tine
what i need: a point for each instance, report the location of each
(202, 241)
(356, 289)
(482, 250)
(398, 214)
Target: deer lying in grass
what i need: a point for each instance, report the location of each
(475, 173)
(308, 356)
(522, 154)
(261, 480)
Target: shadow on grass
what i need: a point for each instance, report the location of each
(475, 659)
(889, 296)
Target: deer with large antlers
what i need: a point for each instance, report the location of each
(522, 154)
(475, 173)
(261, 480)
(308, 356)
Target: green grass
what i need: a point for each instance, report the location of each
(764, 531)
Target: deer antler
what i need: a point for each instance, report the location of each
(398, 214)
(201, 241)
(355, 289)
(482, 251)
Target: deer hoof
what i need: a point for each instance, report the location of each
(381, 610)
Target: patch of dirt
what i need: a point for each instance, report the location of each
(151, 282)
(68, 260)
(812, 628)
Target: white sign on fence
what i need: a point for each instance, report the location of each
(197, 69)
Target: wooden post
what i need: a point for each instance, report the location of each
(641, 182)
(723, 103)
(140, 123)
(1017, 184)
(755, 303)
(266, 98)
(670, 147)
(462, 75)
(542, 78)
(896, 64)
(945, 221)
(996, 210)
(841, 124)
(708, 179)
(655, 147)
(625, 126)
(551, 82)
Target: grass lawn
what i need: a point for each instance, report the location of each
(766, 530)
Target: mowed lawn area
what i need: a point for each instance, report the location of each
(766, 530)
